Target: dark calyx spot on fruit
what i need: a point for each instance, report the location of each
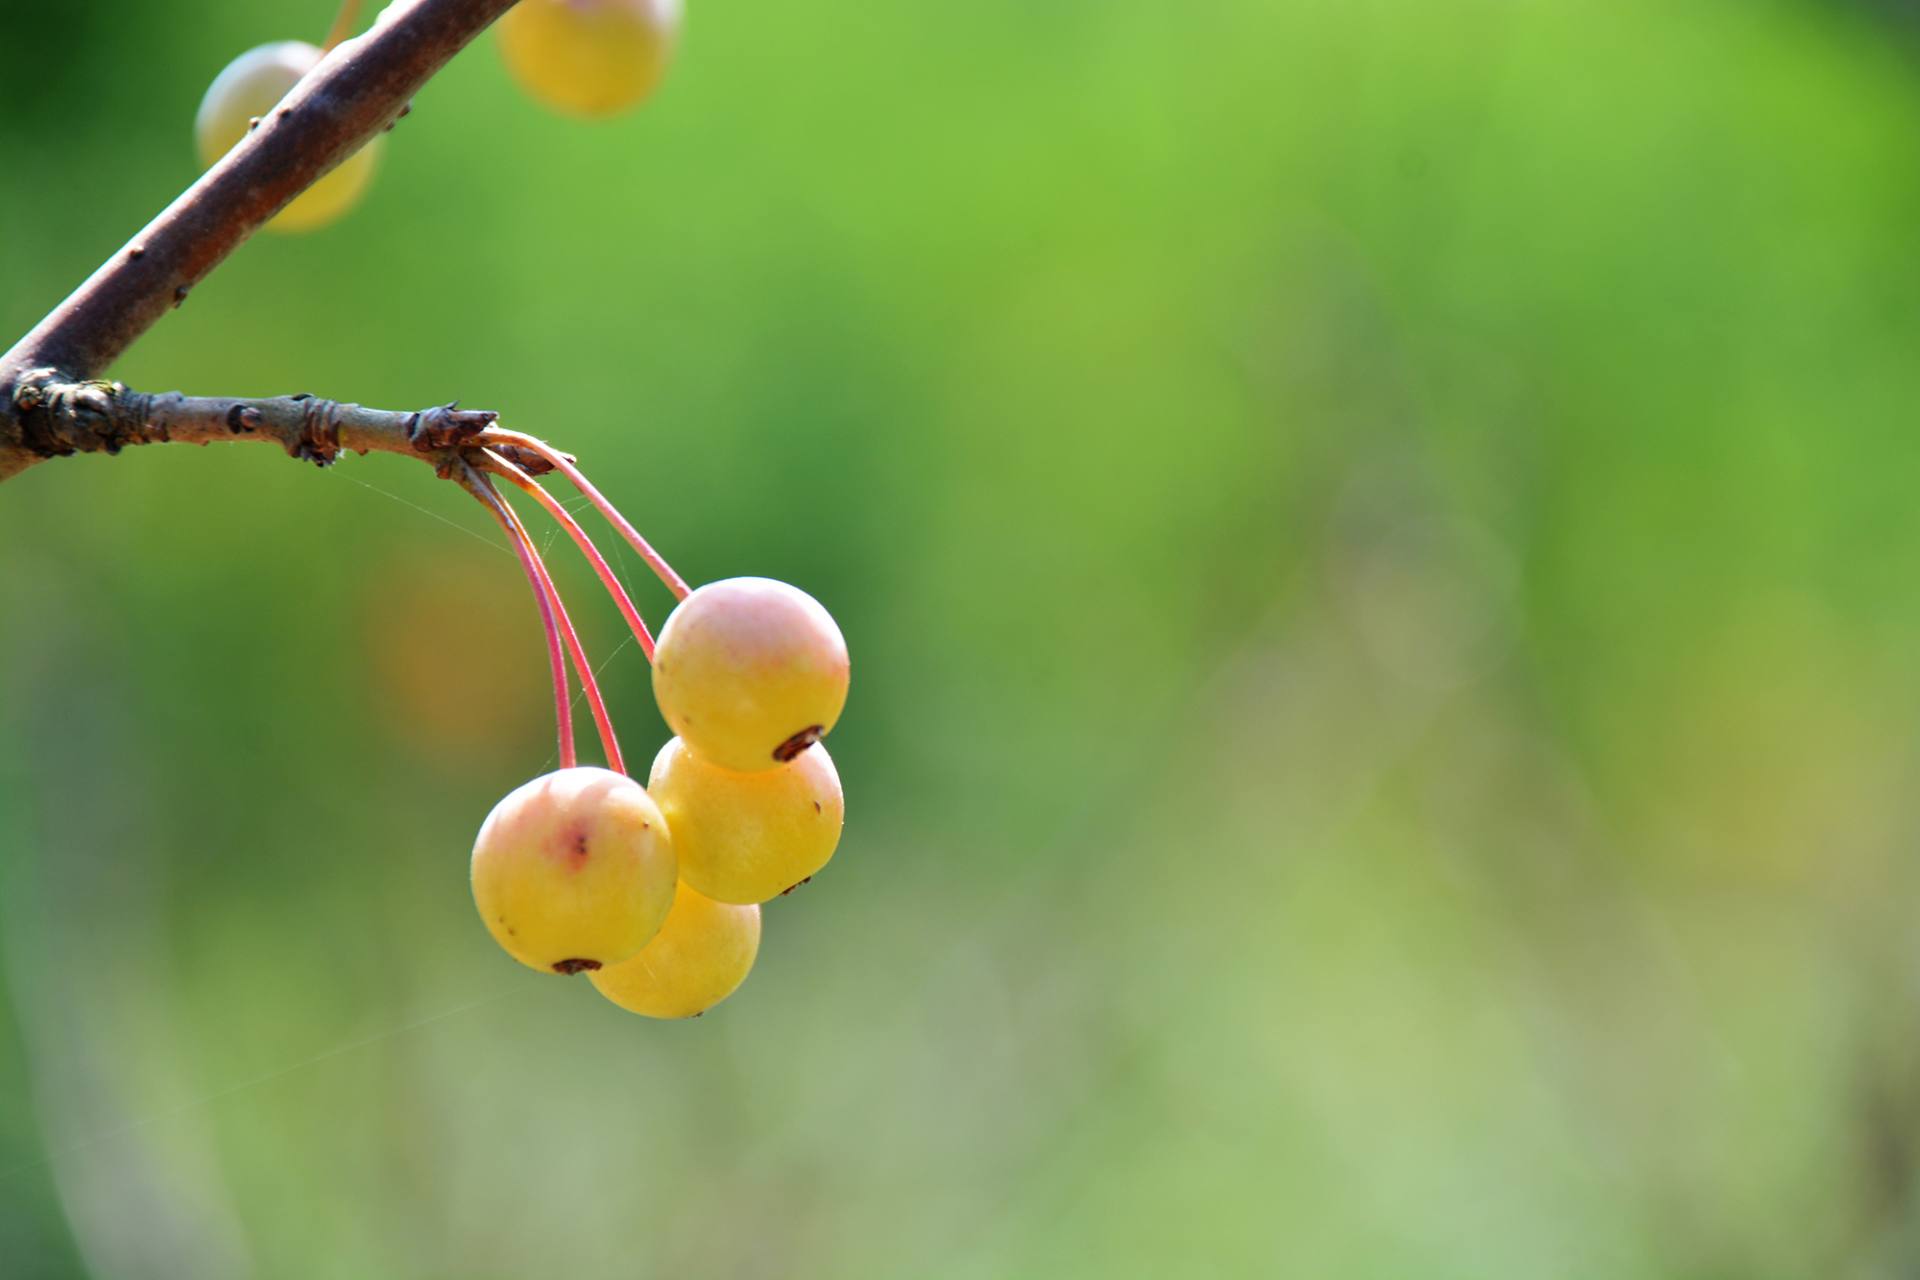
(571, 967)
(572, 847)
(816, 806)
(797, 743)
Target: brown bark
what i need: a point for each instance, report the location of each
(59, 418)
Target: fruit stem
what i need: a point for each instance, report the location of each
(563, 464)
(587, 548)
(343, 24)
(489, 497)
(589, 683)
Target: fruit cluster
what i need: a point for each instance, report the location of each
(654, 891)
(584, 57)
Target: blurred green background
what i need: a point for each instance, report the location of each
(1378, 543)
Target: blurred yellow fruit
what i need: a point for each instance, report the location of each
(590, 57)
(250, 87)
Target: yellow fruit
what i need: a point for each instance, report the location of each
(702, 953)
(748, 837)
(251, 86)
(590, 57)
(750, 672)
(574, 870)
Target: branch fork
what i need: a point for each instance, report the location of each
(55, 400)
(356, 92)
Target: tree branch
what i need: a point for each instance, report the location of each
(359, 89)
(60, 417)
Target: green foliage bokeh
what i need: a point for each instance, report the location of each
(1378, 549)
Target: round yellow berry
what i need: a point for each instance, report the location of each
(701, 955)
(574, 870)
(748, 837)
(750, 672)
